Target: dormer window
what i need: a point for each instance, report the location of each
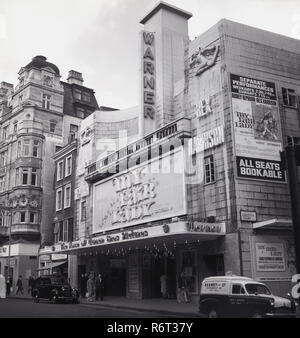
(86, 97)
(48, 81)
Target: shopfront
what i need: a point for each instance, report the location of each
(135, 261)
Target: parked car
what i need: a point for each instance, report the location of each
(54, 289)
(233, 296)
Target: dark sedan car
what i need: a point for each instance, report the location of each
(54, 289)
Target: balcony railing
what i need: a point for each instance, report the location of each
(25, 229)
(180, 128)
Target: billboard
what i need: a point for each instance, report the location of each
(148, 192)
(257, 129)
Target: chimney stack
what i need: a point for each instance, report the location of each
(75, 77)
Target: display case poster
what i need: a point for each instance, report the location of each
(257, 129)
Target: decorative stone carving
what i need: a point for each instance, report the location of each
(204, 59)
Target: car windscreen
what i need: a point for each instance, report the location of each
(257, 289)
(59, 281)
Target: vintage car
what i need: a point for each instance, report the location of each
(54, 289)
(233, 296)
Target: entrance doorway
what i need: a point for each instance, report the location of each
(214, 265)
(163, 266)
(115, 281)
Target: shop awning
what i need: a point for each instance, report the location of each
(274, 224)
(51, 266)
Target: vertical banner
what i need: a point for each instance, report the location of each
(148, 77)
(257, 131)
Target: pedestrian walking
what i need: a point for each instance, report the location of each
(182, 292)
(163, 285)
(8, 286)
(99, 287)
(31, 283)
(82, 285)
(91, 288)
(19, 286)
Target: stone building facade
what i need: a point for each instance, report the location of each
(202, 191)
(35, 123)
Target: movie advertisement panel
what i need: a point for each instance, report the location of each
(143, 194)
(257, 130)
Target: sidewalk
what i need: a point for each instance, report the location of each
(163, 306)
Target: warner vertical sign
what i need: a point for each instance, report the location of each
(148, 82)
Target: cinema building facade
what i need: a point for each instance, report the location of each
(201, 189)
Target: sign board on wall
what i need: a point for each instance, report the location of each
(273, 257)
(143, 194)
(270, 257)
(148, 70)
(257, 129)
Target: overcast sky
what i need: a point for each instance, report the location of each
(100, 38)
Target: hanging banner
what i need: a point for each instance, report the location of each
(257, 131)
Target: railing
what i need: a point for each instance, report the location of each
(180, 126)
(25, 228)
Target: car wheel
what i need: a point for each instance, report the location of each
(213, 313)
(54, 300)
(36, 299)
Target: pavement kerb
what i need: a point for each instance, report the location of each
(185, 314)
(163, 312)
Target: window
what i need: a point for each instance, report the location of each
(22, 217)
(26, 147)
(77, 94)
(2, 183)
(4, 133)
(25, 176)
(32, 217)
(80, 113)
(17, 177)
(20, 100)
(46, 102)
(35, 148)
(65, 231)
(60, 237)
(16, 128)
(60, 168)
(58, 199)
(56, 232)
(68, 166)
(53, 126)
(83, 210)
(87, 97)
(73, 132)
(2, 219)
(67, 196)
(209, 168)
(3, 157)
(21, 84)
(34, 177)
(289, 97)
(238, 289)
(19, 148)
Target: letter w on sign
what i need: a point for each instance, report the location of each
(148, 38)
